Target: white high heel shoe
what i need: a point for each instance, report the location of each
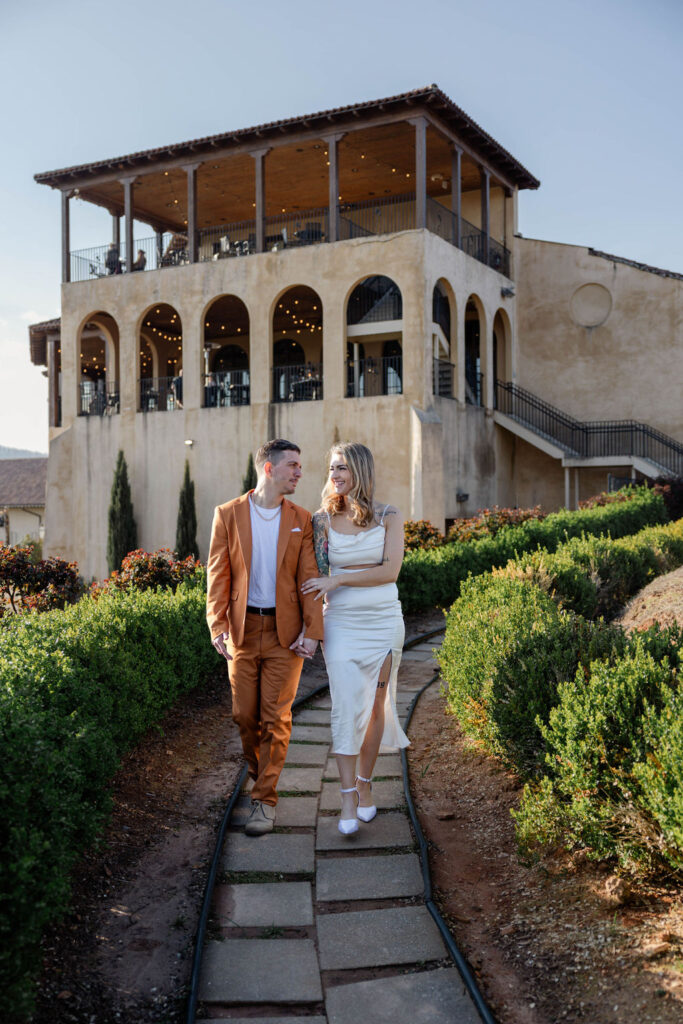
(348, 826)
(365, 813)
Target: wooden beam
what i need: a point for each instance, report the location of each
(66, 255)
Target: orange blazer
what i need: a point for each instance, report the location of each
(229, 565)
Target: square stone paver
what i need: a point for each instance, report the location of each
(285, 854)
(291, 811)
(234, 971)
(300, 780)
(386, 765)
(307, 753)
(322, 702)
(312, 716)
(311, 733)
(350, 878)
(430, 997)
(269, 1020)
(375, 938)
(285, 904)
(385, 794)
(385, 830)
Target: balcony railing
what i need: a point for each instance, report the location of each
(97, 398)
(374, 376)
(298, 383)
(444, 377)
(161, 394)
(593, 438)
(365, 219)
(228, 388)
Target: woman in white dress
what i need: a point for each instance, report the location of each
(359, 548)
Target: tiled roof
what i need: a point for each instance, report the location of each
(448, 111)
(22, 482)
(37, 336)
(637, 266)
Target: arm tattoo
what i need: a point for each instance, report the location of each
(320, 544)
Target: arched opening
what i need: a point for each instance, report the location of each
(226, 353)
(374, 351)
(442, 318)
(98, 347)
(161, 360)
(298, 346)
(474, 378)
(502, 361)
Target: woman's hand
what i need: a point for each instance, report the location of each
(322, 584)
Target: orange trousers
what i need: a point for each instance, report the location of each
(263, 678)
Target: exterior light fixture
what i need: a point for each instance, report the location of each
(189, 442)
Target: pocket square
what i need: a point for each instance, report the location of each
(296, 529)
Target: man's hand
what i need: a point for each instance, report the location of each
(219, 643)
(303, 646)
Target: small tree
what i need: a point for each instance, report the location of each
(186, 528)
(123, 533)
(251, 479)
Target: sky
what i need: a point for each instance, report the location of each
(586, 94)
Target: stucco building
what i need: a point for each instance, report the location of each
(22, 499)
(355, 273)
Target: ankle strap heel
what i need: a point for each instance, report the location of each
(365, 813)
(348, 826)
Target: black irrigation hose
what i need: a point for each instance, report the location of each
(456, 955)
(213, 871)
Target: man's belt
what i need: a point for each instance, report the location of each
(260, 611)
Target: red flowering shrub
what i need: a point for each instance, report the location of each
(27, 585)
(419, 534)
(607, 498)
(143, 570)
(488, 522)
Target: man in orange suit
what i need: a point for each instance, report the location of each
(261, 552)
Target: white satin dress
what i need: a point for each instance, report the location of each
(362, 626)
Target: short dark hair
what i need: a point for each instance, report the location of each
(272, 451)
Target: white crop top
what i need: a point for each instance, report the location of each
(347, 549)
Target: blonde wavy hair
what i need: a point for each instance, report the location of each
(361, 496)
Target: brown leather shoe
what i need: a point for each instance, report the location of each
(261, 819)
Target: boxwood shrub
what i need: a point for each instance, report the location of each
(78, 688)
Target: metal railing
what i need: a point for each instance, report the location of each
(592, 438)
(377, 216)
(160, 394)
(97, 398)
(375, 300)
(474, 388)
(443, 222)
(298, 383)
(444, 378)
(230, 387)
(223, 240)
(305, 227)
(148, 254)
(372, 376)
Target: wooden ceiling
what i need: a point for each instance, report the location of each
(376, 161)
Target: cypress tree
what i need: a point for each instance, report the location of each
(186, 529)
(250, 480)
(123, 533)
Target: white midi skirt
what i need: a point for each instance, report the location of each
(362, 626)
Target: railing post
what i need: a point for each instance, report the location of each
(486, 212)
(128, 214)
(260, 196)
(356, 370)
(567, 487)
(456, 194)
(66, 255)
(420, 124)
(191, 172)
(333, 185)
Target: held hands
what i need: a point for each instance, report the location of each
(303, 646)
(322, 584)
(219, 643)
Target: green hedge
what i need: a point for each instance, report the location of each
(78, 688)
(575, 705)
(434, 577)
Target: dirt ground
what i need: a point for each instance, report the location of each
(548, 943)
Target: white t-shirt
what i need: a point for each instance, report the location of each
(264, 535)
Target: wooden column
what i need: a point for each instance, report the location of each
(331, 142)
(456, 194)
(260, 196)
(192, 249)
(66, 256)
(116, 230)
(159, 235)
(486, 212)
(53, 381)
(567, 487)
(128, 214)
(420, 171)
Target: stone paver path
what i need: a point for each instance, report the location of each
(316, 926)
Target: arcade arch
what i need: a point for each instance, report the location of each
(297, 348)
(374, 333)
(226, 352)
(98, 349)
(161, 359)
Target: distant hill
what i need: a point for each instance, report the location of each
(20, 453)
